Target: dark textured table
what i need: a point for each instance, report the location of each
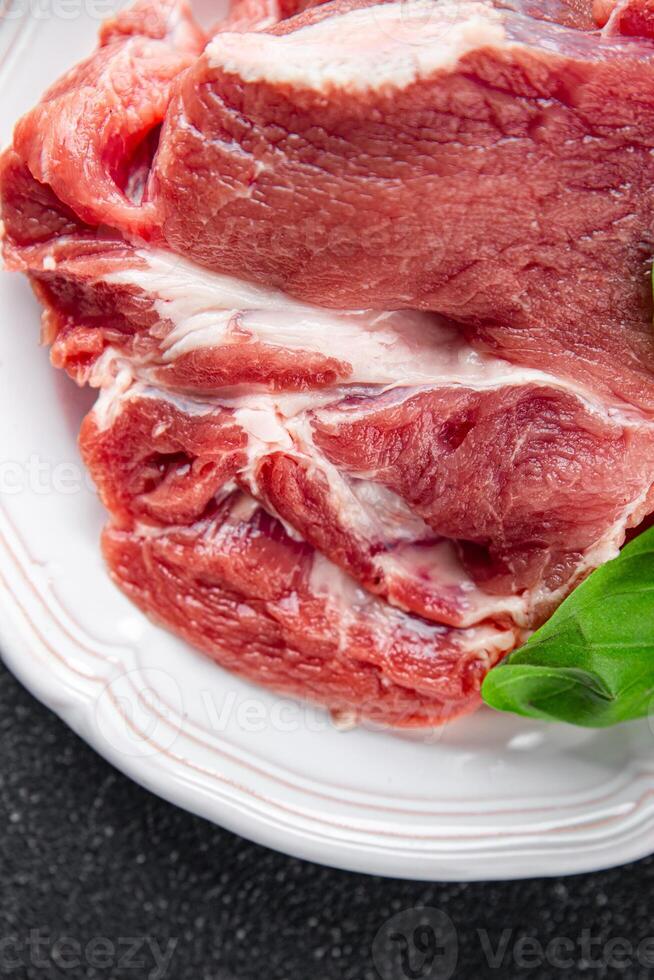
(102, 879)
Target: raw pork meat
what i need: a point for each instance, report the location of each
(364, 288)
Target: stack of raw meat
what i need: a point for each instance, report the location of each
(365, 291)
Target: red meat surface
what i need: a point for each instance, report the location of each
(365, 290)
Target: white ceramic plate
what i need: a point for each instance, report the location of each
(488, 797)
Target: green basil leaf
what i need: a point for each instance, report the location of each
(592, 663)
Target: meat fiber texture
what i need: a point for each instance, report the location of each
(365, 292)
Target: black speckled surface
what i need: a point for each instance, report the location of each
(87, 857)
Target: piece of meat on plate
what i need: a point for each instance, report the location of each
(365, 290)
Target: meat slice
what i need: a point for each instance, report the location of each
(528, 478)
(364, 287)
(92, 129)
(479, 171)
(153, 461)
(303, 627)
(455, 504)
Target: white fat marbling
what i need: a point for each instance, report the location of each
(391, 44)
(391, 348)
